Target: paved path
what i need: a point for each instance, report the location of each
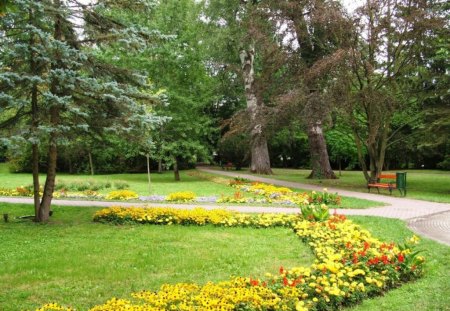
(426, 218)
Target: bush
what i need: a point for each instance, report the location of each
(81, 185)
(120, 185)
(445, 165)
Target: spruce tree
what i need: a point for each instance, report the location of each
(53, 85)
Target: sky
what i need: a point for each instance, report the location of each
(351, 5)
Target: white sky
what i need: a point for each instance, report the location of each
(351, 5)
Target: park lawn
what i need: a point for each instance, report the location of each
(79, 263)
(162, 184)
(429, 185)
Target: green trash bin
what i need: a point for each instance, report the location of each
(401, 182)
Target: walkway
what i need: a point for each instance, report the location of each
(426, 218)
(430, 219)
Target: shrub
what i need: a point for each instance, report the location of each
(121, 184)
(122, 195)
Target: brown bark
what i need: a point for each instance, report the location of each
(176, 171)
(260, 160)
(148, 175)
(160, 168)
(44, 210)
(260, 155)
(36, 185)
(361, 159)
(321, 168)
(91, 163)
(34, 127)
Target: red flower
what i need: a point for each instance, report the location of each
(285, 281)
(281, 270)
(254, 282)
(401, 258)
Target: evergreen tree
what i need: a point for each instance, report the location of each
(53, 85)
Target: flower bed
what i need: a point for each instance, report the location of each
(350, 266)
(266, 193)
(182, 196)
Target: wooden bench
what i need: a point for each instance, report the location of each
(227, 166)
(390, 182)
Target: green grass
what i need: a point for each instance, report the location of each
(429, 185)
(162, 184)
(79, 263)
(431, 292)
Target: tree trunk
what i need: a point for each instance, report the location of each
(148, 175)
(91, 163)
(260, 155)
(260, 161)
(44, 209)
(160, 167)
(34, 125)
(176, 172)
(36, 185)
(340, 167)
(321, 168)
(70, 166)
(361, 159)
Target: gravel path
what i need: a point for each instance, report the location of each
(426, 218)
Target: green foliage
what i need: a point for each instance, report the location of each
(121, 184)
(315, 212)
(81, 185)
(289, 147)
(234, 149)
(341, 145)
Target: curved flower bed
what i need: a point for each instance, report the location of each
(283, 195)
(350, 266)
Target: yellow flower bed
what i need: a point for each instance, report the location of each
(350, 265)
(122, 195)
(275, 194)
(197, 216)
(182, 196)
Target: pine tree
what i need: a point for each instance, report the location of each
(53, 85)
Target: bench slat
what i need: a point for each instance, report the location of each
(387, 176)
(393, 186)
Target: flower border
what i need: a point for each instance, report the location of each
(350, 266)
